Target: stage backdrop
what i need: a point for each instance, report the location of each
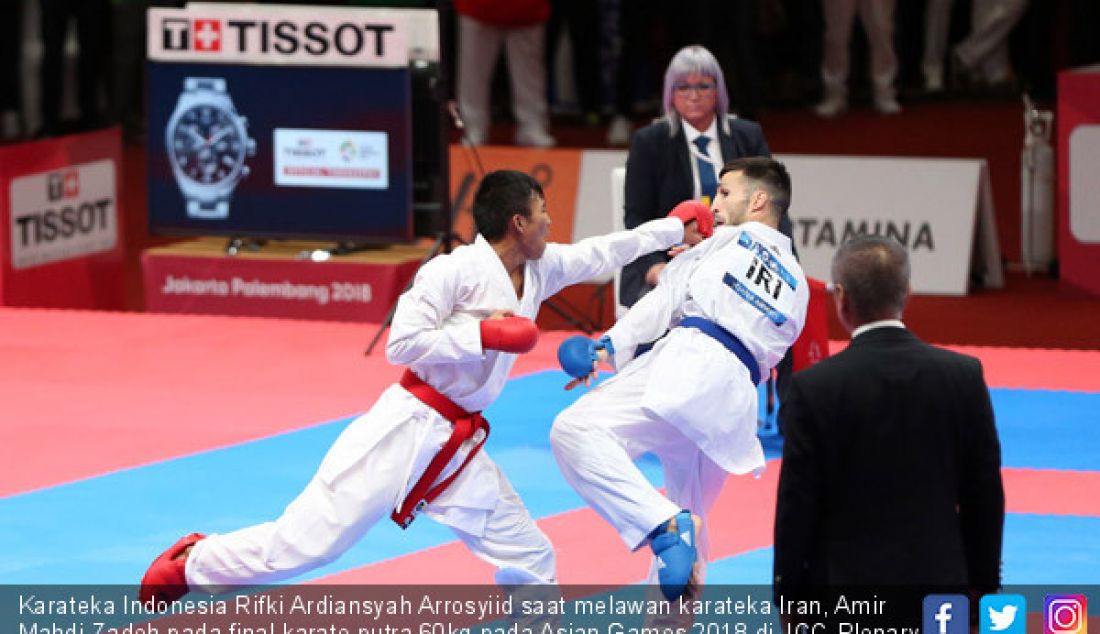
(940, 209)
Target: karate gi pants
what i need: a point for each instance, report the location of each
(362, 479)
(596, 441)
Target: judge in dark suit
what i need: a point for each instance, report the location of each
(678, 157)
(891, 461)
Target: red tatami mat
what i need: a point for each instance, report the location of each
(590, 552)
(106, 391)
(588, 549)
(85, 393)
(1030, 368)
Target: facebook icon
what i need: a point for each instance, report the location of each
(946, 614)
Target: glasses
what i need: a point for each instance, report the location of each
(700, 87)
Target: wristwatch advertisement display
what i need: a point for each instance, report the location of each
(279, 152)
(207, 143)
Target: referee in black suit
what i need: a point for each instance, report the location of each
(891, 461)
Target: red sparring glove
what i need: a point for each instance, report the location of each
(690, 210)
(165, 580)
(509, 334)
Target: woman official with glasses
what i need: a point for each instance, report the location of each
(678, 156)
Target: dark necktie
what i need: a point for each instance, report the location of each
(708, 185)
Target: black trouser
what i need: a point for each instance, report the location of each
(11, 44)
(582, 20)
(736, 52)
(1084, 46)
(645, 53)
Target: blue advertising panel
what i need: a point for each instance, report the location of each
(280, 151)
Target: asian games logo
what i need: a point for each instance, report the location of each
(348, 151)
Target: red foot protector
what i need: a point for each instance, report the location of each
(165, 581)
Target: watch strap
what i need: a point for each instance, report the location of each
(212, 209)
(195, 84)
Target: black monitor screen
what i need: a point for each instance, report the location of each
(281, 152)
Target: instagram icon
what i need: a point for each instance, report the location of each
(1065, 614)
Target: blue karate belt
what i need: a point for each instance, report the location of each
(726, 338)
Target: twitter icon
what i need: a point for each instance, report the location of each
(1003, 614)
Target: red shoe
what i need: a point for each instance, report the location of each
(165, 581)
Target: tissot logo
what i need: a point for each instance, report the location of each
(175, 33)
(63, 185)
(306, 37)
(179, 34)
(208, 35)
(305, 149)
(72, 184)
(63, 214)
(278, 37)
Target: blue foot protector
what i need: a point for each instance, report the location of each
(675, 553)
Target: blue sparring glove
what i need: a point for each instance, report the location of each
(577, 354)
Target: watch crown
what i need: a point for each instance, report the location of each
(245, 171)
(250, 146)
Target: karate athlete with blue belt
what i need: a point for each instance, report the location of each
(458, 330)
(732, 305)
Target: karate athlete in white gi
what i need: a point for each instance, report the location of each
(457, 329)
(734, 304)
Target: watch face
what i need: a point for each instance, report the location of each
(207, 144)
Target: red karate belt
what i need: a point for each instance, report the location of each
(465, 424)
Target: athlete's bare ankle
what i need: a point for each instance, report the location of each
(184, 554)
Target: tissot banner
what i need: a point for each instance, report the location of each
(289, 123)
(61, 243)
(64, 213)
(308, 36)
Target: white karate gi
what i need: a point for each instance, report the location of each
(689, 401)
(381, 454)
